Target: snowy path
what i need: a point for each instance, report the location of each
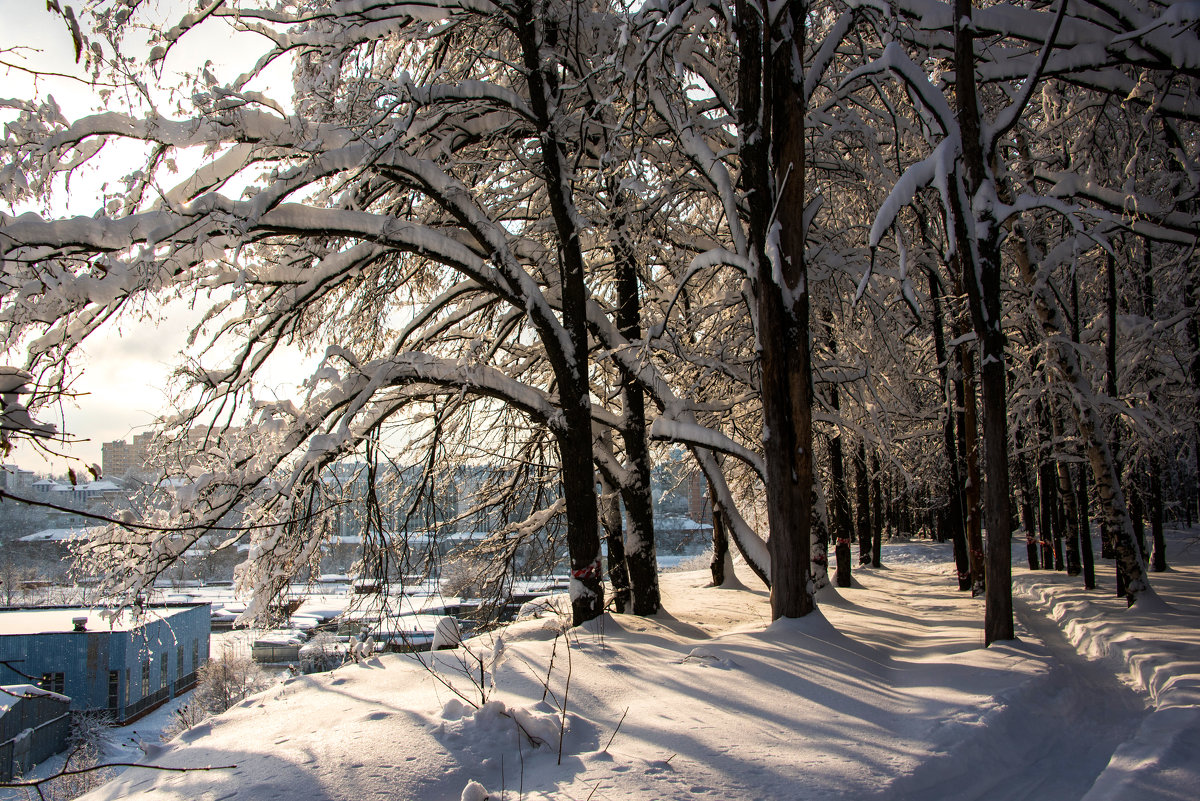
(1051, 743)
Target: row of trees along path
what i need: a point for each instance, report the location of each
(942, 251)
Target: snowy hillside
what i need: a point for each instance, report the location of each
(883, 694)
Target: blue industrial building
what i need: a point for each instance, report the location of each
(125, 663)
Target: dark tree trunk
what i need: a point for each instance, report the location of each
(982, 281)
(970, 428)
(720, 543)
(956, 507)
(1158, 562)
(1060, 523)
(1137, 513)
(771, 123)
(1046, 484)
(583, 536)
(610, 521)
(1191, 294)
(641, 555)
(570, 367)
(1070, 512)
(1109, 550)
(1028, 516)
(1081, 493)
(841, 500)
(1192, 299)
(862, 498)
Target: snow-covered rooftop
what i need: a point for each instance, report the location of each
(104, 485)
(59, 620)
(60, 534)
(11, 693)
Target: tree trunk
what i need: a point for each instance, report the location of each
(1131, 568)
(862, 498)
(1085, 531)
(1028, 517)
(841, 500)
(877, 515)
(956, 508)
(979, 259)
(970, 428)
(819, 538)
(1159, 554)
(1066, 494)
(771, 126)
(1137, 512)
(1192, 301)
(1046, 484)
(1158, 562)
(1081, 497)
(641, 555)
(720, 543)
(571, 370)
(1109, 549)
(610, 521)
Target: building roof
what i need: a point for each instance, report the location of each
(60, 534)
(10, 694)
(103, 485)
(60, 620)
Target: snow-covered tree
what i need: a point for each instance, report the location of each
(410, 210)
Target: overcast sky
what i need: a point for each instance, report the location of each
(126, 368)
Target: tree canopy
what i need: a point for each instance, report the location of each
(539, 232)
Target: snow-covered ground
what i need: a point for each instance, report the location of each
(885, 693)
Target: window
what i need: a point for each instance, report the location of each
(127, 683)
(114, 689)
(163, 673)
(146, 678)
(179, 662)
(195, 654)
(54, 682)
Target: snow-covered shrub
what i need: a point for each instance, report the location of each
(323, 652)
(221, 683)
(89, 732)
(557, 605)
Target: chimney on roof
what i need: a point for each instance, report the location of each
(80, 623)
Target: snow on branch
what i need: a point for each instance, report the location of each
(895, 60)
(933, 170)
(693, 434)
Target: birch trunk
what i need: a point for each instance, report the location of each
(1087, 420)
(862, 502)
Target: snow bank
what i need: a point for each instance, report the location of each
(1156, 649)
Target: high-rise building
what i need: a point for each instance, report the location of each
(120, 458)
